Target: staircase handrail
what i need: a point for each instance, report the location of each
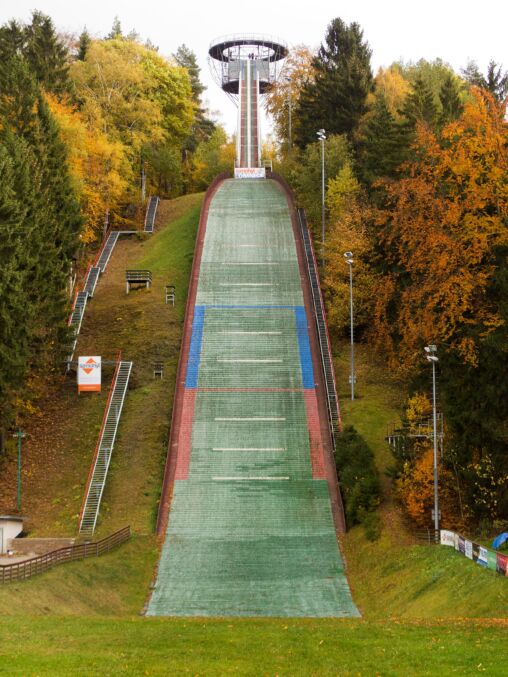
(99, 438)
(303, 225)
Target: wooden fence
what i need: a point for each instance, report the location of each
(18, 571)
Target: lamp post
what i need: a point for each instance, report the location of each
(321, 134)
(430, 354)
(352, 378)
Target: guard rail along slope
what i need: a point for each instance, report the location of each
(322, 329)
(104, 449)
(151, 211)
(19, 571)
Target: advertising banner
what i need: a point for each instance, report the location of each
(476, 552)
(491, 560)
(250, 173)
(483, 556)
(462, 545)
(447, 538)
(468, 549)
(501, 564)
(89, 374)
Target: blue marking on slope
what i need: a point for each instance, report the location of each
(191, 379)
(304, 347)
(253, 307)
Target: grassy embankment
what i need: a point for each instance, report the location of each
(395, 576)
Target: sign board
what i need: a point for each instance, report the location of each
(447, 538)
(250, 173)
(89, 374)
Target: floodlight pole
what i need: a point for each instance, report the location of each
(432, 357)
(352, 378)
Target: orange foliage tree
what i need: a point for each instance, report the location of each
(438, 231)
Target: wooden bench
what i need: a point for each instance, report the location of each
(158, 369)
(137, 277)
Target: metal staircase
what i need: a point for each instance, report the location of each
(322, 331)
(153, 203)
(76, 319)
(91, 280)
(107, 249)
(98, 473)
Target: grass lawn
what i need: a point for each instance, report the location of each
(134, 646)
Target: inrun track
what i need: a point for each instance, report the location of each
(250, 530)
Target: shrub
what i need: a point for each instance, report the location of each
(358, 476)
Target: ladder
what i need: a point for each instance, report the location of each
(100, 466)
(107, 249)
(151, 210)
(320, 317)
(91, 280)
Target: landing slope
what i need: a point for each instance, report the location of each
(250, 531)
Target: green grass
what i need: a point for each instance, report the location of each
(130, 646)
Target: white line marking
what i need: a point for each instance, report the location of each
(248, 448)
(249, 361)
(271, 333)
(245, 284)
(251, 418)
(248, 479)
(250, 263)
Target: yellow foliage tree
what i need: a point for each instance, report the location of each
(98, 166)
(348, 217)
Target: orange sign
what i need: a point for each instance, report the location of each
(89, 374)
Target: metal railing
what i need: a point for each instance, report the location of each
(332, 399)
(19, 571)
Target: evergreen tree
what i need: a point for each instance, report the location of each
(451, 105)
(187, 59)
(336, 99)
(495, 82)
(384, 144)
(46, 55)
(39, 216)
(419, 105)
(84, 43)
(116, 30)
(12, 40)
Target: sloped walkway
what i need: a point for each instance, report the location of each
(250, 529)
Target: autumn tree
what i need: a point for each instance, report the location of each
(283, 98)
(348, 218)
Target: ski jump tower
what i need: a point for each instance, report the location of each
(246, 66)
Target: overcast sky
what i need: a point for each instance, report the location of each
(455, 30)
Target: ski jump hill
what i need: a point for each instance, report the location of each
(246, 511)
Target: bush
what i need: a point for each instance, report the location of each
(358, 476)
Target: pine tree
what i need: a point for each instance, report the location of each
(12, 40)
(116, 30)
(336, 99)
(46, 55)
(84, 43)
(419, 105)
(384, 144)
(451, 104)
(496, 81)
